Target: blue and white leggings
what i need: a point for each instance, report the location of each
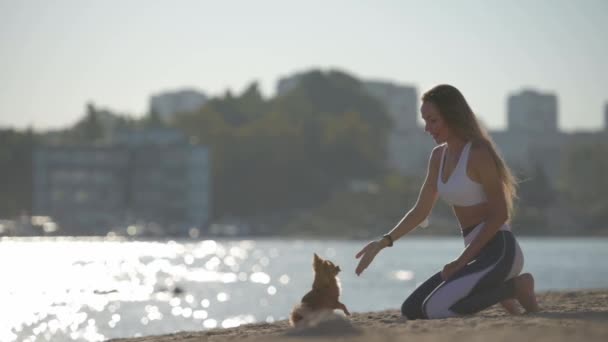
(483, 282)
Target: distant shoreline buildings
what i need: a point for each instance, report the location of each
(532, 137)
(151, 181)
(530, 111)
(156, 181)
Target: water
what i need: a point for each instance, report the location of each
(91, 290)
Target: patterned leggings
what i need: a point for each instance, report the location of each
(482, 283)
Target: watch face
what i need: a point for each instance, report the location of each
(389, 238)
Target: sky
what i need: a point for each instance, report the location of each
(55, 56)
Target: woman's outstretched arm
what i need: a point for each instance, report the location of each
(421, 210)
(426, 199)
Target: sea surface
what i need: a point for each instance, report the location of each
(65, 289)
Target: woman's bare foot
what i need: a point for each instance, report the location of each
(524, 292)
(510, 305)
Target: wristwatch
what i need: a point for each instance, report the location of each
(389, 238)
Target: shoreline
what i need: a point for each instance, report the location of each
(564, 315)
(124, 238)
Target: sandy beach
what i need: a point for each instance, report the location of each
(565, 315)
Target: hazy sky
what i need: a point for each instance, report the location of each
(57, 55)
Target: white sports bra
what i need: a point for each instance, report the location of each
(460, 190)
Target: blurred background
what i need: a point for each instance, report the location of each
(167, 149)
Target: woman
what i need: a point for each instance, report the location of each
(467, 172)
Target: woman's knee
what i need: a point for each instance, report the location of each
(412, 306)
(411, 310)
(433, 309)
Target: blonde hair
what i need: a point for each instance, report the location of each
(457, 114)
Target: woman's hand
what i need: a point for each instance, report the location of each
(450, 269)
(369, 253)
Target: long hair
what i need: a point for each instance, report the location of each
(457, 114)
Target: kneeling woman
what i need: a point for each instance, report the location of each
(466, 171)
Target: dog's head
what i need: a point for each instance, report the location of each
(324, 268)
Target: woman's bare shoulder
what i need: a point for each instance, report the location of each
(436, 154)
(482, 154)
(437, 151)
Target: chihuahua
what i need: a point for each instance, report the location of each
(324, 294)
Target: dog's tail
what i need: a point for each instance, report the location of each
(299, 312)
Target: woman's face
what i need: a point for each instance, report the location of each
(434, 123)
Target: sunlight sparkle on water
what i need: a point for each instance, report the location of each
(189, 299)
(264, 261)
(271, 290)
(222, 297)
(259, 277)
(403, 275)
(230, 261)
(199, 314)
(97, 288)
(153, 313)
(213, 263)
(187, 312)
(233, 322)
(238, 252)
(207, 247)
(176, 311)
(75, 277)
(201, 275)
(210, 323)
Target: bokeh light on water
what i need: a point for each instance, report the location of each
(65, 289)
(91, 290)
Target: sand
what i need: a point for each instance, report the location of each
(578, 316)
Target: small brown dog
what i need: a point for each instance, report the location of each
(324, 294)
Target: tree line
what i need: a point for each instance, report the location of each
(312, 161)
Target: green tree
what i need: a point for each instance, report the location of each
(153, 120)
(290, 151)
(91, 128)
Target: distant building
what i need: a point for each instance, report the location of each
(82, 187)
(409, 152)
(407, 149)
(148, 136)
(532, 112)
(90, 189)
(400, 101)
(166, 105)
(170, 185)
(524, 151)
